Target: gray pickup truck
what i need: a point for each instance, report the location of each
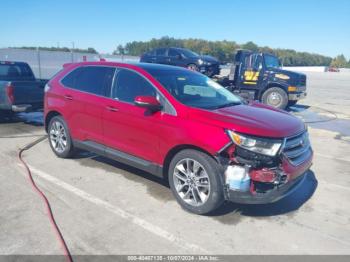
(20, 91)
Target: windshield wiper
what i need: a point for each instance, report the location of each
(226, 105)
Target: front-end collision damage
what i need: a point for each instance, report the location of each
(266, 174)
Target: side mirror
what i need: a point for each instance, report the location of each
(149, 102)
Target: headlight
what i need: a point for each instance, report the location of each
(200, 61)
(263, 146)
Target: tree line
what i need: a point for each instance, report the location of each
(224, 51)
(89, 50)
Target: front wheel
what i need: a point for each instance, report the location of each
(196, 181)
(275, 97)
(192, 67)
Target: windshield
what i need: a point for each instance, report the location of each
(193, 89)
(189, 53)
(272, 61)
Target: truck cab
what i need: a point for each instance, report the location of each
(259, 76)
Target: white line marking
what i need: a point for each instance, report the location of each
(120, 212)
(325, 183)
(332, 158)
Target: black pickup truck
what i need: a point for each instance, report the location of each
(20, 91)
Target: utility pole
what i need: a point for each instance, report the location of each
(39, 64)
(72, 51)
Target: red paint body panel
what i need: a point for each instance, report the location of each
(151, 136)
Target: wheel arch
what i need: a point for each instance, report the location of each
(49, 116)
(172, 152)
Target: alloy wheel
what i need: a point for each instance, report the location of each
(58, 137)
(191, 182)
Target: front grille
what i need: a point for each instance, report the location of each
(302, 80)
(297, 149)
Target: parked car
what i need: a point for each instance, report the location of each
(207, 65)
(19, 90)
(332, 69)
(179, 125)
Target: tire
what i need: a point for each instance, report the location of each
(6, 115)
(62, 148)
(292, 103)
(201, 191)
(209, 74)
(275, 97)
(192, 67)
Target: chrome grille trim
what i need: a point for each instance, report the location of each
(297, 149)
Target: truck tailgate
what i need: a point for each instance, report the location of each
(28, 92)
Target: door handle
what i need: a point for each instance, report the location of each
(68, 97)
(112, 109)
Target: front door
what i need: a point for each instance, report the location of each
(129, 128)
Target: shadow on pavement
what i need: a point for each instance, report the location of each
(156, 184)
(32, 118)
(297, 108)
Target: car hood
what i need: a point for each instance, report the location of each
(287, 75)
(253, 119)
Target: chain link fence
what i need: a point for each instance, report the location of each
(47, 63)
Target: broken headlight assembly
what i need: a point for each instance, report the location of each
(264, 146)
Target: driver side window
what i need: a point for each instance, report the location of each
(128, 85)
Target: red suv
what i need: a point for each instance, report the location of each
(178, 124)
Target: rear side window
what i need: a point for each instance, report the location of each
(91, 79)
(151, 53)
(128, 85)
(160, 52)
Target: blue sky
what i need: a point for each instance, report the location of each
(318, 26)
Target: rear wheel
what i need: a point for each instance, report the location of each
(6, 115)
(59, 137)
(275, 97)
(196, 182)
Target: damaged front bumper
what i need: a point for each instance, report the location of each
(252, 178)
(270, 196)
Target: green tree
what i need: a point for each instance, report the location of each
(119, 51)
(250, 46)
(339, 61)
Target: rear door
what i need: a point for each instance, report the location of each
(85, 90)
(149, 57)
(161, 56)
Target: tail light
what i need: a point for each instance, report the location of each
(9, 93)
(47, 88)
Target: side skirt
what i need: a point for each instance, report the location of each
(120, 156)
